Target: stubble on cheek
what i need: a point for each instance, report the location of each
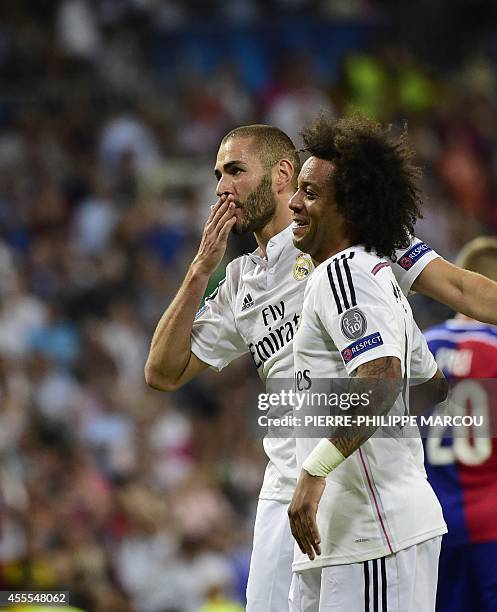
(258, 209)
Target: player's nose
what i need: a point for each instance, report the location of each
(295, 202)
(224, 186)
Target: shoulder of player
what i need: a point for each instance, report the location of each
(238, 266)
(349, 278)
(406, 258)
(231, 279)
(349, 265)
(237, 269)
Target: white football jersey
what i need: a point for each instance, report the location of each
(378, 501)
(256, 310)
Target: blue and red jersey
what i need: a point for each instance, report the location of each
(464, 474)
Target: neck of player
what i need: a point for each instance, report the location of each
(332, 241)
(331, 249)
(280, 221)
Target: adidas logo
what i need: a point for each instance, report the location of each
(248, 302)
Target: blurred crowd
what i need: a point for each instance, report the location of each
(110, 116)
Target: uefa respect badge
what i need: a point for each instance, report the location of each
(361, 346)
(411, 256)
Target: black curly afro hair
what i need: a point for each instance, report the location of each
(375, 181)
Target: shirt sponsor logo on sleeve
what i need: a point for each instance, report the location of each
(410, 257)
(361, 346)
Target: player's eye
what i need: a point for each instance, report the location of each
(236, 171)
(310, 195)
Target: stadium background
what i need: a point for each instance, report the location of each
(110, 116)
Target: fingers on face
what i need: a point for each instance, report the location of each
(228, 224)
(218, 211)
(216, 208)
(223, 199)
(227, 212)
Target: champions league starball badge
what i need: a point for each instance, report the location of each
(406, 262)
(302, 268)
(353, 324)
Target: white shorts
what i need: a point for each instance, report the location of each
(403, 582)
(270, 573)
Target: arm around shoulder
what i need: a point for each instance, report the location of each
(462, 290)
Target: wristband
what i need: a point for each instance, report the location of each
(324, 458)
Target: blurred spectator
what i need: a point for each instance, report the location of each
(295, 99)
(78, 29)
(126, 141)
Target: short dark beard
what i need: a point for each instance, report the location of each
(259, 207)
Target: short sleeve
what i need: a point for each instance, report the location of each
(411, 262)
(357, 313)
(423, 364)
(215, 339)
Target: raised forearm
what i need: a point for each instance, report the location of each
(170, 362)
(170, 349)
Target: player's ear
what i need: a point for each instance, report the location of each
(283, 174)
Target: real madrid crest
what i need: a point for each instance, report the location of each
(302, 267)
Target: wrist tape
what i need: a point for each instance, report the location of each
(323, 459)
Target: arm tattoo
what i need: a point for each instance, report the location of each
(381, 380)
(378, 368)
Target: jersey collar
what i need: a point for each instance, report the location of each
(275, 247)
